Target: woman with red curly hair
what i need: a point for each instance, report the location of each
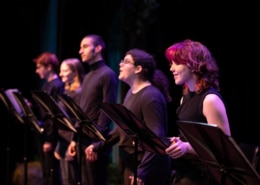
(194, 67)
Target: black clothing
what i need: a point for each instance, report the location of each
(189, 168)
(99, 85)
(49, 164)
(149, 105)
(69, 169)
(53, 88)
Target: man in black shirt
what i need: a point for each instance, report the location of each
(99, 85)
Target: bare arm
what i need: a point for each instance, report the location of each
(215, 112)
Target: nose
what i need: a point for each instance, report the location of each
(80, 51)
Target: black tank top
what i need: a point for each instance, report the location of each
(192, 105)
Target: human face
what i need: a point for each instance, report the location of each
(126, 69)
(181, 74)
(66, 74)
(87, 50)
(42, 71)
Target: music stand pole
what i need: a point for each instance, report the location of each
(84, 121)
(136, 158)
(8, 150)
(13, 105)
(80, 152)
(28, 118)
(10, 109)
(25, 159)
(220, 153)
(136, 129)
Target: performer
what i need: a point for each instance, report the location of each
(146, 100)
(47, 67)
(71, 73)
(99, 85)
(194, 67)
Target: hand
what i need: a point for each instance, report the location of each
(177, 148)
(138, 181)
(56, 155)
(68, 157)
(71, 151)
(47, 146)
(90, 154)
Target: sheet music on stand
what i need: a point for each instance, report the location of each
(125, 119)
(220, 153)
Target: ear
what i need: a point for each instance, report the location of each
(138, 69)
(98, 49)
(49, 67)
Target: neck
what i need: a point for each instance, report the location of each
(52, 77)
(136, 87)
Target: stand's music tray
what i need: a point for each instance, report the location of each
(28, 114)
(133, 127)
(220, 153)
(11, 104)
(15, 103)
(79, 115)
(53, 110)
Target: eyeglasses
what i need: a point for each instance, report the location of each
(127, 62)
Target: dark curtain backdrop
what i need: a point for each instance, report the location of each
(229, 30)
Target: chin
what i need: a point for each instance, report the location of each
(120, 76)
(177, 82)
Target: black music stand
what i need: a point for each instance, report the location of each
(15, 103)
(53, 110)
(78, 115)
(28, 114)
(14, 113)
(220, 153)
(11, 104)
(136, 129)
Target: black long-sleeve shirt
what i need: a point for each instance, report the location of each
(99, 86)
(149, 105)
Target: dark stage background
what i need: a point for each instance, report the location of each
(229, 30)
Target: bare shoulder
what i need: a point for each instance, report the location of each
(215, 112)
(212, 98)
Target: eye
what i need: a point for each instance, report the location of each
(126, 61)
